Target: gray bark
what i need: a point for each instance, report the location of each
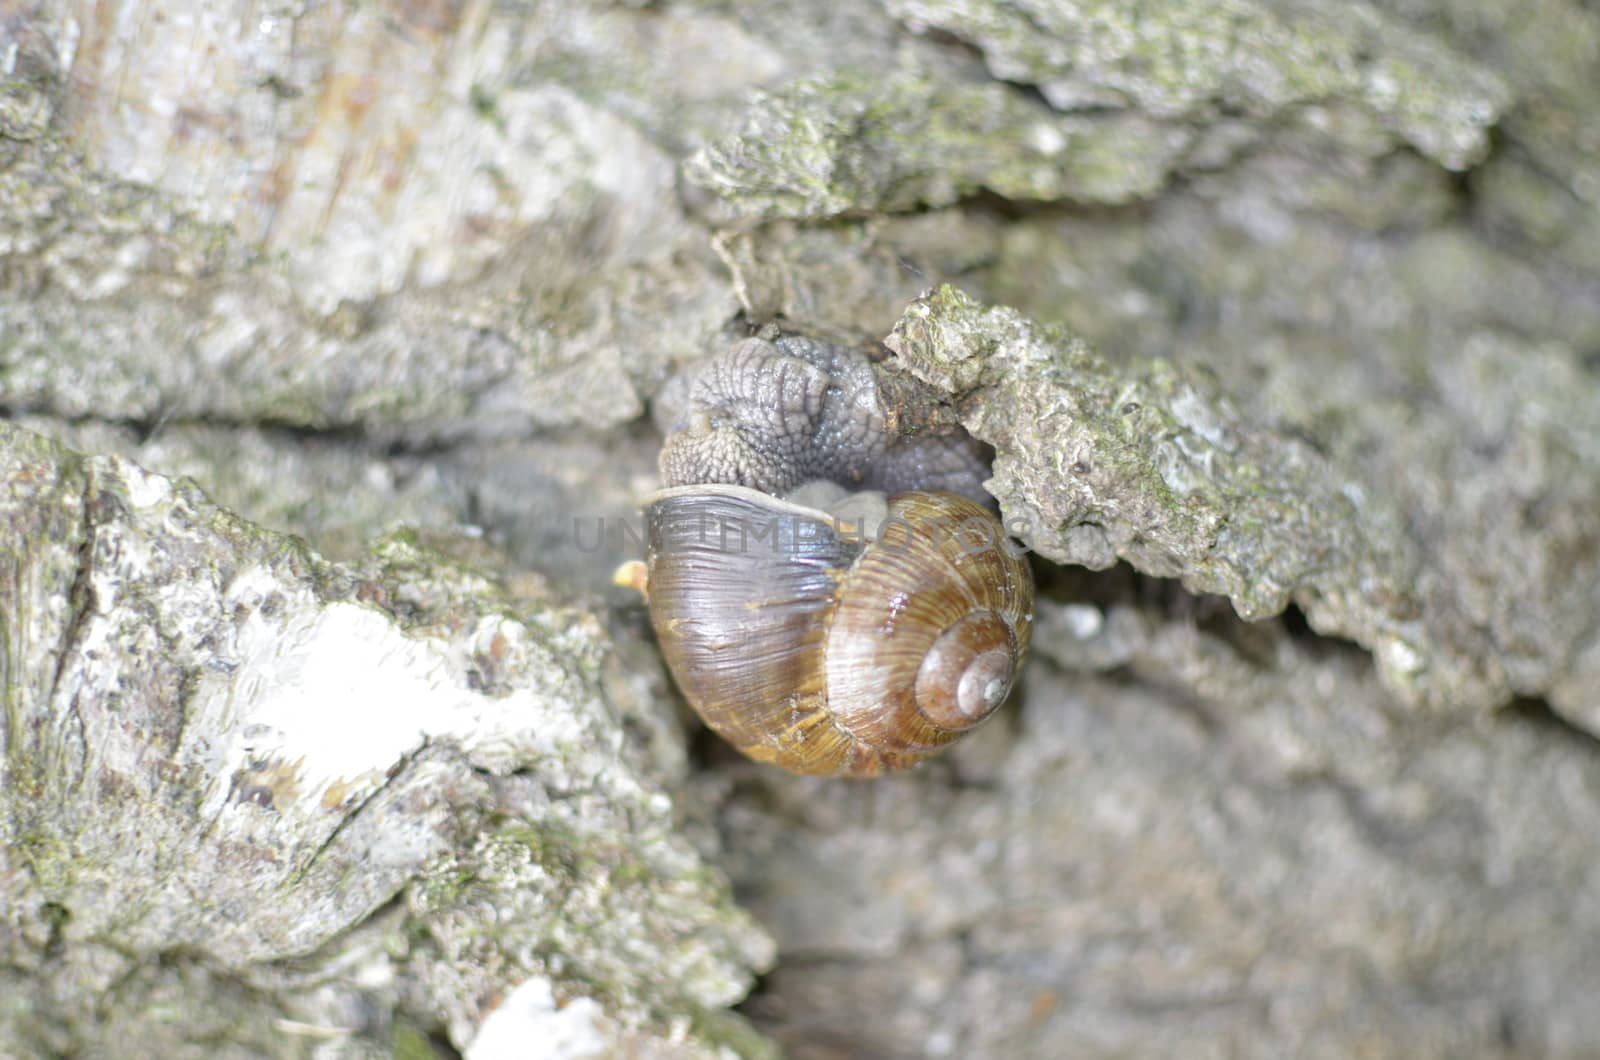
(325, 733)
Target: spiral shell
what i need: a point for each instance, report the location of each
(806, 645)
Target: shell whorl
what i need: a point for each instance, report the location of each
(821, 652)
(801, 643)
(928, 630)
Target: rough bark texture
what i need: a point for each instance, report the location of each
(1281, 317)
(252, 795)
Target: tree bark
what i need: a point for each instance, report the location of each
(327, 338)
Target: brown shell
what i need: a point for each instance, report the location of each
(812, 650)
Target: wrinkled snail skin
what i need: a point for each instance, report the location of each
(774, 415)
(808, 647)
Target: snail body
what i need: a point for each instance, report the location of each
(800, 636)
(808, 644)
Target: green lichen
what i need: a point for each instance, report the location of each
(566, 899)
(1153, 464)
(841, 145)
(1192, 62)
(727, 1032)
(412, 1043)
(1135, 91)
(49, 859)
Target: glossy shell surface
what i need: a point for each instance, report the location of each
(806, 646)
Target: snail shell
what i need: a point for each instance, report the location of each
(808, 646)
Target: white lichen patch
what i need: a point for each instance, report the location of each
(335, 690)
(345, 696)
(530, 1025)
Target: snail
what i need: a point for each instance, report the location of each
(823, 630)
